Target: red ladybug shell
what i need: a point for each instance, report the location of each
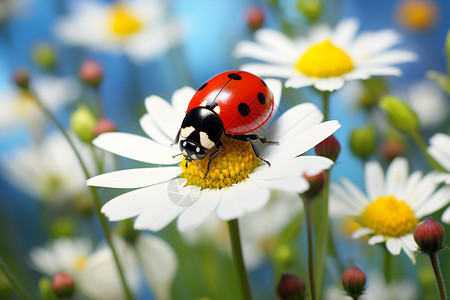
(242, 100)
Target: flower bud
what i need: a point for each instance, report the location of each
(291, 287)
(392, 147)
(429, 235)
(417, 15)
(363, 142)
(310, 8)
(104, 125)
(44, 56)
(354, 281)
(255, 17)
(21, 78)
(316, 183)
(63, 285)
(83, 123)
(329, 148)
(91, 73)
(399, 114)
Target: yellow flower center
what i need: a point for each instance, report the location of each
(123, 22)
(80, 262)
(389, 217)
(324, 60)
(234, 163)
(417, 14)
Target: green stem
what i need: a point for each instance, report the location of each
(98, 204)
(236, 249)
(13, 280)
(387, 266)
(307, 205)
(437, 273)
(326, 104)
(423, 147)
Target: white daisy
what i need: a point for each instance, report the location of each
(18, 107)
(50, 170)
(237, 182)
(139, 28)
(259, 237)
(95, 272)
(439, 149)
(326, 58)
(393, 206)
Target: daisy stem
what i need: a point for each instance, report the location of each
(307, 205)
(326, 104)
(437, 272)
(387, 266)
(13, 280)
(423, 147)
(98, 204)
(236, 248)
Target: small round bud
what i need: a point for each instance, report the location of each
(363, 142)
(354, 281)
(399, 114)
(310, 8)
(316, 183)
(63, 285)
(91, 73)
(417, 15)
(429, 235)
(104, 125)
(21, 78)
(83, 122)
(329, 148)
(255, 17)
(392, 147)
(44, 56)
(291, 287)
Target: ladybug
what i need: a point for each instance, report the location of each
(233, 104)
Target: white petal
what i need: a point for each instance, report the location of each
(439, 200)
(396, 176)
(374, 180)
(256, 51)
(422, 191)
(154, 132)
(439, 149)
(268, 70)
(342, 196)
(276, 88)
(164, 115)
(288, 184)
(376, 239)
(297, 82)
(133, 203)
(229, 207)
(134, 178)
(410, 189)
(329, 84)
(181, 99)
(394, 246)
(198, 212)
(355, 192)
(361, 232)
(159, 263)
(158, 214)
(374, 42)
(276, 41)
(345, 32)
(393, 57)
(251, 197)
(409, 242)
(137, 148)
(304, 141)
(367, 72)
(446, 216)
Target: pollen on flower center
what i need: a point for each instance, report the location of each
(234, 163)
(123, 22)
(80, 262)
(324, 60)
(389, 217)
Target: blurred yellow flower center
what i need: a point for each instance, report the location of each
(324, 60)
(389, 217)
(123, 22)
(80, 262)
(417, 14)
(25, 103)
(234, 163)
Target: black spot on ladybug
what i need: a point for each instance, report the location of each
(263, 82)
(243, 109)
(261, 98)
(202, 87)
(234, 76)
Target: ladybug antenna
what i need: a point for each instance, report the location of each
(173, 156)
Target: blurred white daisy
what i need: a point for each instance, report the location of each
(326, 58)
(19, 107)
(50, 170)
(95, 273)
(379, 289)
(393, 206)
(439, 149)
(259, 230)
(139, 28)
(9, 8)
(237, 182)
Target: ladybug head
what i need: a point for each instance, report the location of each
(192, 150)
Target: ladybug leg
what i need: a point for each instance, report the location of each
(250, 138)
(256, 151)
(219, 147)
